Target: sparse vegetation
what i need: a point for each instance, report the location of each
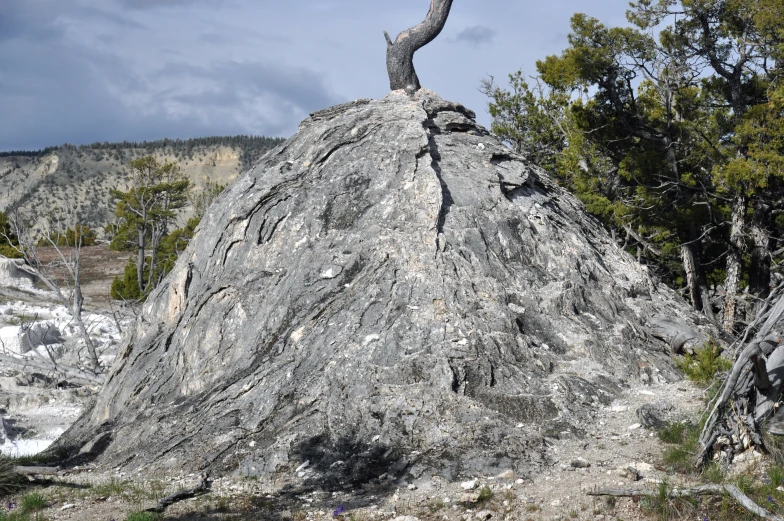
(485, 494)
(704, 364)
(10, 481)
(143, 516)
(9, 242)
(683, 438)
(32, 502)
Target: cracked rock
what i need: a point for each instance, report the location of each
(391, 288)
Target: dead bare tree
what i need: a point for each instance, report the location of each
(747, 397)
(67, 284)
(400, 53)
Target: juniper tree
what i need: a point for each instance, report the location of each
(146, 213)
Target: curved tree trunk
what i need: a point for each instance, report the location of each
(745, 401)
(400, 53)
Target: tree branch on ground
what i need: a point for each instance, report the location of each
(704, 490)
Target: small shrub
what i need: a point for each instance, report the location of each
(712, 473)
(32, 502)
(684, 438)
(113, 487)
(143, 516)
(660, 503)
(10, 481)
(435, 506)
(674, 432)
(485, 494)
(703, 365)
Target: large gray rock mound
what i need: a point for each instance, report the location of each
(390, 291)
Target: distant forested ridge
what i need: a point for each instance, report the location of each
(253, 147)
(40, 180)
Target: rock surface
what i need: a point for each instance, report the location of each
(391, 291)
(14, 273)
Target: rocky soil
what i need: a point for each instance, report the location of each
(614, 450)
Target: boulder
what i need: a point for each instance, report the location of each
(654, 415)
(392, 291)
(15, 273)
(40, 334)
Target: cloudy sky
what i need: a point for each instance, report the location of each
(80, 71)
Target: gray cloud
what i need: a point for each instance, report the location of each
(81, 71)
(67, 89)
(152, 4)
(476, 35)
(149, 4)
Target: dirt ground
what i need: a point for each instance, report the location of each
(614, 441)
(99, 267)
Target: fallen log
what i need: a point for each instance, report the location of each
(745, 399)
(36, 471)
(704, 490)
(201, 488)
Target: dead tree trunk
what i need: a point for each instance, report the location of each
(695, 278)
(759, 270)
(400, 53)
(734, 263)
(745, 401)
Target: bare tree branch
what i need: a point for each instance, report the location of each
(400, 53)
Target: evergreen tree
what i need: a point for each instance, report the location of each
(146, 212)
(673, 141)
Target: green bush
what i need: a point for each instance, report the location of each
(684, 438)
(32, 502)
(143, 516)
(485, 494)
(172, 245)
(703, 365)
(79, 234)
(126, 287)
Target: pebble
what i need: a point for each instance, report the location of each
(411, 486)
(469, 497)
(483, 514)
(630, 473)
(67, 506)
(469, 485)
(634, 426)
(507, 474)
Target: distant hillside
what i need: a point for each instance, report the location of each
(39, 180)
